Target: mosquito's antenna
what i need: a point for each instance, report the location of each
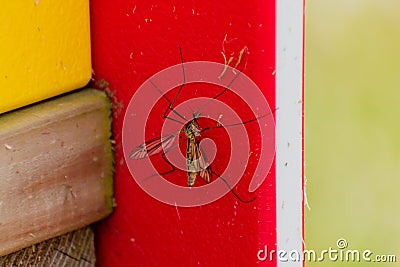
(233, 191)
(194, 114)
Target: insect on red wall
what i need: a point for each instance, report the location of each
(202, 134)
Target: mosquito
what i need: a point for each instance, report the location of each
(197, 163)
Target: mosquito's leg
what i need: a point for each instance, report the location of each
(220, 93)
(169, 106)
(165, 172)
(230, 83)
(239, 123)
(233, 192)
(171, 103)
(167, 161)
(230, 125)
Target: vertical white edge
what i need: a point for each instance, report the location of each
(289, 129)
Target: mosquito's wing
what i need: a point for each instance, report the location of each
(154, 146)
(203, 166)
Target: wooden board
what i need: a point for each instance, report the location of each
(72, 249)
(55, 168)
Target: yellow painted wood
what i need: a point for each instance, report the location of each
(44, 50)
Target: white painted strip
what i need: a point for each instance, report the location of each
(289, 161)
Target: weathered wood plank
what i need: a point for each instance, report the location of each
(72, 249)
(55, 168)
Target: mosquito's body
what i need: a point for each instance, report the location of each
(195, 161)
(191, 131)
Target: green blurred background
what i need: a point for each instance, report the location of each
(352, 129)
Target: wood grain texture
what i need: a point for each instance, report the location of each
(72, 249)
(55, 168)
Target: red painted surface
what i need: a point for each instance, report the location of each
(131, 41)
